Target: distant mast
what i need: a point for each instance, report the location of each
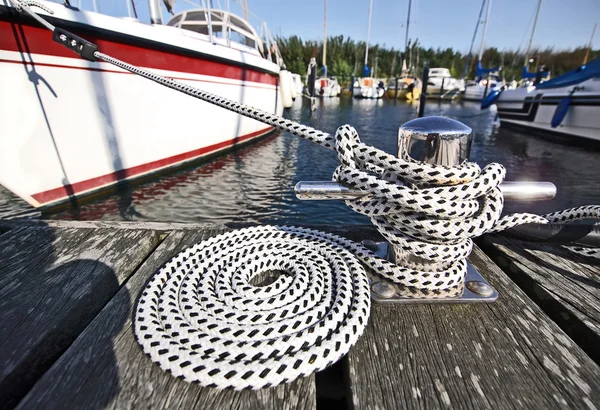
(467, 69)
(406, 35)
(537, 13)
(325, 41)
(487, 17)
(368, 33)
(245, 7)
(587, 53)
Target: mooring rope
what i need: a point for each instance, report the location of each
(200, 319)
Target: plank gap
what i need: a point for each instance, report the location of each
(330, 387)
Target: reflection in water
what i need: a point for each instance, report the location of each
(246, 185)
(255, 184)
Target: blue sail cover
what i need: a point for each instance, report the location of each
(324, 71)
(576, 76)
(527, 74)
(366, 71)
(480, 71)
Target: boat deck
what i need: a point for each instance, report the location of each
(67, 290)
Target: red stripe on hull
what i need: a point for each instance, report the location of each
(63, 192)
(33, 40)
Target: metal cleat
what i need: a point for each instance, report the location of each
(441, 141)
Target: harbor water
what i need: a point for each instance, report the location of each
(255, 183)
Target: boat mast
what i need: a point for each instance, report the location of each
(368, 32)
(325, 40)
(537, 13)
(245, 7)
(587, 53)
(487, 17)
(406, 35)
(155, 11)
(467, 69)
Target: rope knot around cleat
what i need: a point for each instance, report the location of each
(201, 318)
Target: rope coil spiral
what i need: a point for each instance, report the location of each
(200, 318)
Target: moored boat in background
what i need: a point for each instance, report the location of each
(72, 127)
(441, 84)
(368, 86)
(486, 80)
(408, 88)
(477, 90)
(567, 105)
(326, 86)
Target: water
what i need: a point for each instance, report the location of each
(255, 184)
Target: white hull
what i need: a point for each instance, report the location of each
(534, 109)
(84, 126)
(298, 84)
(476, 92)
(368, 87)
(327, 87)
(368, 92)
(440, 83)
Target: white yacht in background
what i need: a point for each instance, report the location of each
(327, 87)
(440, 84)
(477, 90)
(567, 105)
(72, 127)
(368, 87)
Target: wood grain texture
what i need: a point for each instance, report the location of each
(53, 282)
(149, 225)
(503, 355)
(565, 284)
(106, 368)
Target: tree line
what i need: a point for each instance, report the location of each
(345, 58)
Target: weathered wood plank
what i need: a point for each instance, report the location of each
(106, 368)
(53, 282)
(503, 355)
(148, 225)
(565, 284)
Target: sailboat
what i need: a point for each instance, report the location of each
(368, 86)
(477, 90)
(122, 127)
(567, 105)
(408, 88)
(326, 86)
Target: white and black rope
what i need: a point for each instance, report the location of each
(201, 319)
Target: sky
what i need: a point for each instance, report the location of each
(562, 24)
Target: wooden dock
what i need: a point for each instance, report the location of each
(67, 290)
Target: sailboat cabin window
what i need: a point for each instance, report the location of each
(223, 25)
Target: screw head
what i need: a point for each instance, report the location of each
(369, 244)
(480, 288)
(383, 289)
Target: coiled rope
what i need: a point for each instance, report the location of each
(200, 319)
